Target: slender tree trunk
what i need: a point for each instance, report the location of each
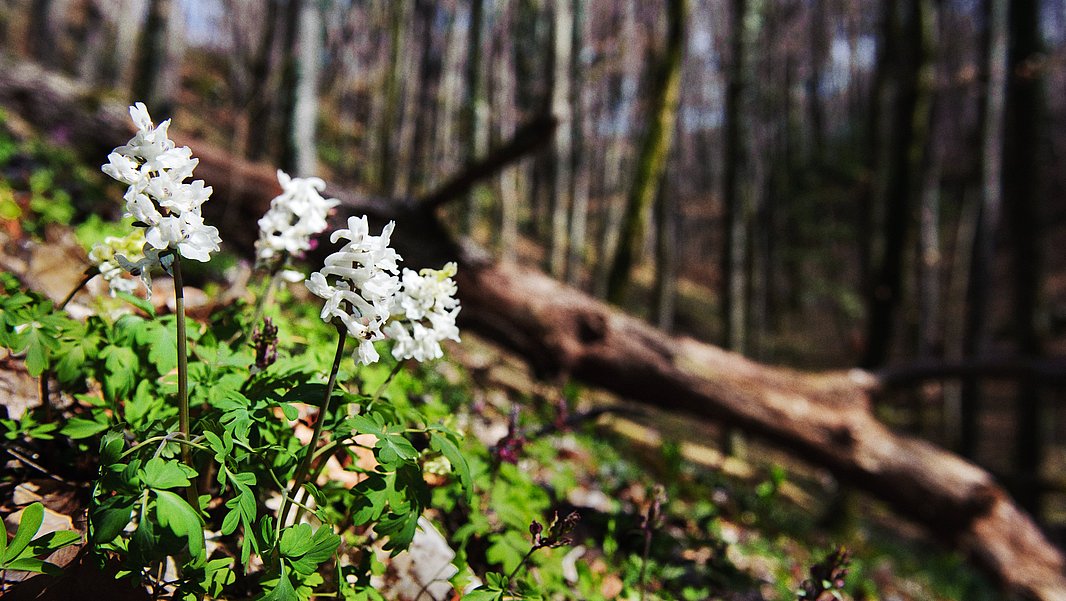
(387, 124)
(975, 338)
(286, 107)
(1022, 192)
(474, 130)
(258, 107)
(666, 245)
(925, 163)
(620, 109)
(429, 81)
(301, 139)
(581, 134)
(505, 99)
(447, 95)
(819, 51)
(152, 70)
(731, 266)
(655, 147)
(563, 156)
(906, 129)
(41, 33)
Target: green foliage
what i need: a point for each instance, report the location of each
(25, 551)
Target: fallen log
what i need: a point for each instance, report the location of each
(824, 418)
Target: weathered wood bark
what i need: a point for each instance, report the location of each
(824, 418)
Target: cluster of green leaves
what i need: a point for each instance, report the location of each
(244, 447)
(26, 549)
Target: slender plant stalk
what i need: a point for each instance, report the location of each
(305, 463)
(183, 374)
(514, 572)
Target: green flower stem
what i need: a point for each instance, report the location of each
(183, 374)
(305, 463)
(518, 567)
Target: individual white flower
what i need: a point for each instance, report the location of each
(359, 283)
(158, 198)
(427, 308)
(295, 215)
(105, 256)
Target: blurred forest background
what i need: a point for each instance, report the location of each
(816, 183)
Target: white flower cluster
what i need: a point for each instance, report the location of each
(295, 215)
(364, 282)
(103, 256)
(158, 198)
(428, 308)
(363, 290)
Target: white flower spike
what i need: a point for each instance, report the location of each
(295, 215)
(358, 283)
(159, 199)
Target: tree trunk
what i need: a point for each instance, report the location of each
(824, 418)
(301, 139)
(975, 338)
(655, 148)
(387, 123)
(731, 265)
(563, 155)
(581, 136)
(905, 126)
(258, 105)
(505, 100)
(473, 125)
(1021, 188)
(286, 107)
(153, 73)
(41, 33)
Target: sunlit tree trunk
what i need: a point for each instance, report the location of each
(302, 148)
(387, 122)
(655, 147)
(562, 157)
(504, 99)
(448, 95)
(581, 134)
